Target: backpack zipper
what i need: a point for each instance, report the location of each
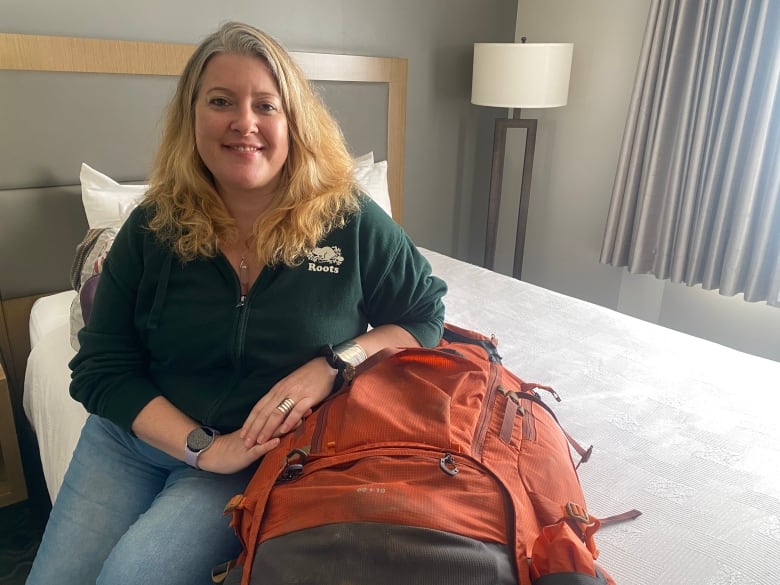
(439, 458)
(314, 462)
(488, 346)
(488, 404)
(322, 417)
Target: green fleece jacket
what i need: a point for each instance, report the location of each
(163, 327)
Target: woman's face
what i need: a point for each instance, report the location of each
(240, 126)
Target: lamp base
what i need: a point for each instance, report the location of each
(496, 179)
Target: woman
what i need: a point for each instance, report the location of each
(229, 306)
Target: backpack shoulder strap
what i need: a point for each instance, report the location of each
(454, 334)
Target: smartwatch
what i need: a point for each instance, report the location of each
(199, 439)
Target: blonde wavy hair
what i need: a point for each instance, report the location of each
(317, 191)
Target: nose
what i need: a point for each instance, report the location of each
(245, 121)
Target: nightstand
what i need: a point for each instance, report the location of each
(13, 488)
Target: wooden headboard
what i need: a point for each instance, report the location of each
(81, 55)
(35, 53)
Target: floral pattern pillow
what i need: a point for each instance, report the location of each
(90, 256)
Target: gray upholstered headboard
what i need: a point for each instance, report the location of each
(70, 100)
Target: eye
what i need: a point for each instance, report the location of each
(218, 102)
(268, 107)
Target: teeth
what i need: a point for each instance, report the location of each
(245, 148)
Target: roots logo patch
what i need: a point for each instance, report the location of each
(327, 259)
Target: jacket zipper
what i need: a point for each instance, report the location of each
(241, 327)
(242, 320)
(239, 334)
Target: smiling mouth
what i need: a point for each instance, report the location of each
(244, 148)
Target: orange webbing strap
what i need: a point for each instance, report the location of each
(615, 518)
(566, 547)
(581, 451)
(374, 359)
(582, 524)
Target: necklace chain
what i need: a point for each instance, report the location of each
(243, 276)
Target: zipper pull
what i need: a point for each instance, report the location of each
(509, 394)
(294, 465)
(243, 279)
(551, 391)
(514, 397)
(447, 464)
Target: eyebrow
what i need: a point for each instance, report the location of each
(221, 89)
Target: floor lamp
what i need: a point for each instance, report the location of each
(517, 75)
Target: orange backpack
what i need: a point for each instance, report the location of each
(445, 439)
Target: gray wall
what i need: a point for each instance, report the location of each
(577, 153)
(447, 137)
(449, 140)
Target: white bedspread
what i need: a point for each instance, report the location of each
(56, 418)
(683, 429)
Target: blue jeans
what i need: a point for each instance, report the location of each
(128, 513)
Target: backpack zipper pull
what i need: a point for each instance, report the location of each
(292, 470)
(529, 386)
(447, 464)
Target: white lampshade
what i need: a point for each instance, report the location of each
(521, 75)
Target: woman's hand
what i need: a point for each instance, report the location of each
(306, 387)
(229, 454)
(165, 427)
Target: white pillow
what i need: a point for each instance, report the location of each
(106, 202)
(372, 177)
(364, 160)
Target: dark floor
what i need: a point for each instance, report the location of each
(22, 526)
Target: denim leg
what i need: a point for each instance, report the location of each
(87, 518)
(183, 536)
(131, 514)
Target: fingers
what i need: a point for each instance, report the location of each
(285, 406)
(282, 419)
(230, 455)
(265, 419)
(260, 449)
(276, 422)
(288, 402)
(291, 423)
(268, 409)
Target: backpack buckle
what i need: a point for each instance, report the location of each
(577, 512)
(292, 469)
(220, 572)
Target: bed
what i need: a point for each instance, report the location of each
(683, 429)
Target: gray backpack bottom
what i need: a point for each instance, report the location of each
(378, 554)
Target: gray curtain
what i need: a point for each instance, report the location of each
(696, 197)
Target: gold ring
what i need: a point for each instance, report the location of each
(285, 406)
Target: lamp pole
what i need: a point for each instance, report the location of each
(496, 180)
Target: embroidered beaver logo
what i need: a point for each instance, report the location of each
(326, 259)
